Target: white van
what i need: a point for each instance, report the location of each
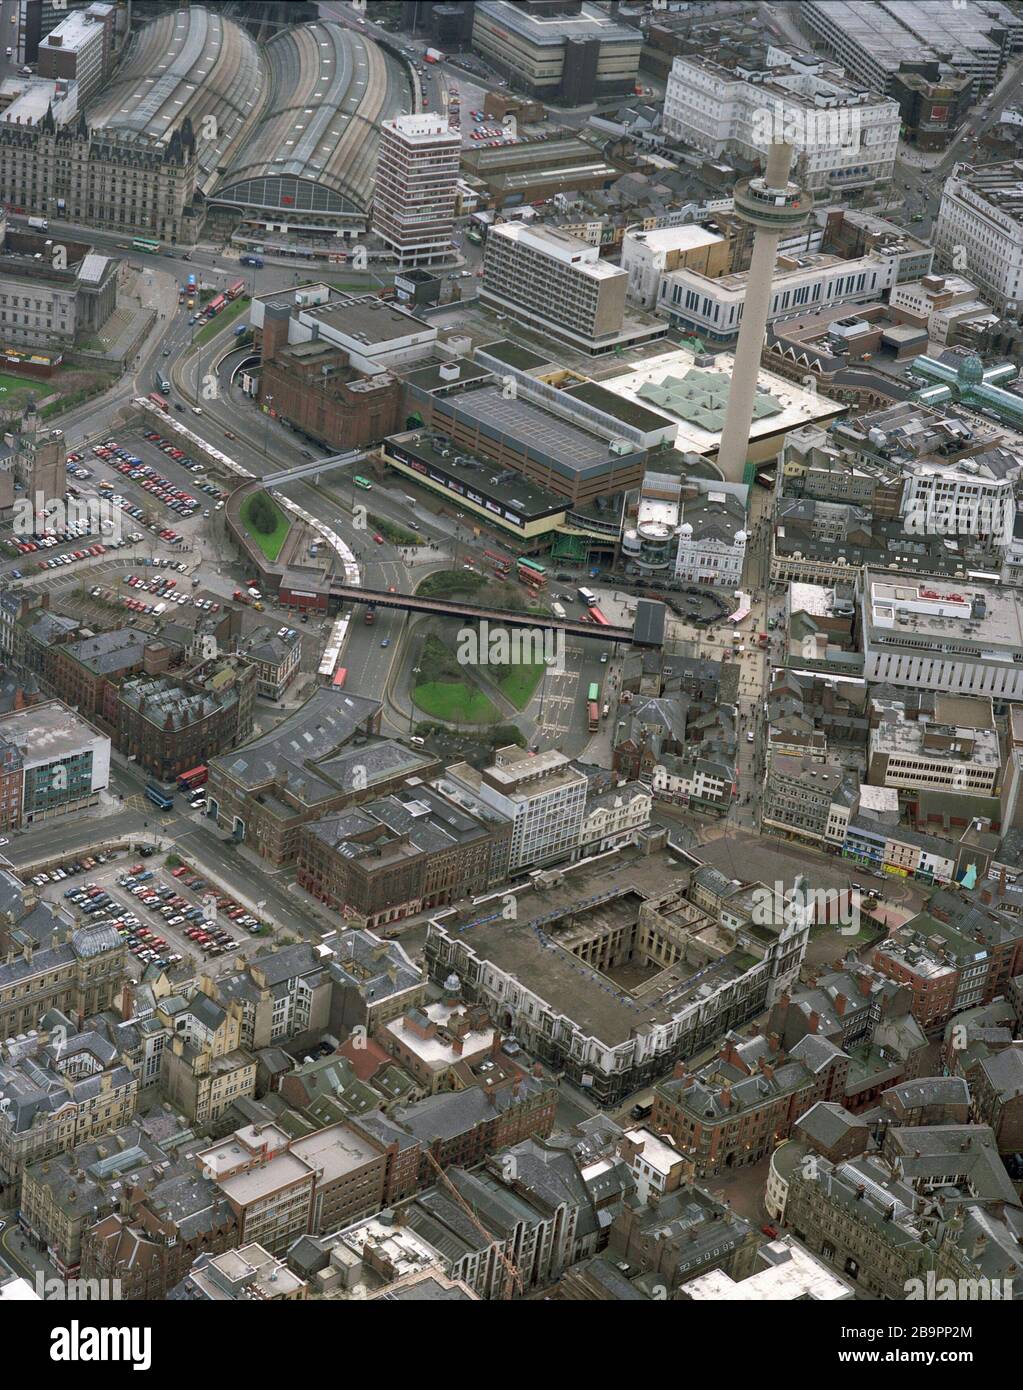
(160, 608)
(416, 741)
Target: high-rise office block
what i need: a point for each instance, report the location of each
(774, 207)
(80, 49)
(414, 201)
(556, 283)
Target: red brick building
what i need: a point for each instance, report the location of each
(740, 1107)
(314, 385)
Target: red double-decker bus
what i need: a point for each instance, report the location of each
(594, 717)
(500, 564)
(215, 305)
(598, 617)
(159, 401)
(529, 572)
(236, 289)
(188, 781)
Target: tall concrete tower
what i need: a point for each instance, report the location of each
(773, 207)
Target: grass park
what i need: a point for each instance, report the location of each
(265, 523)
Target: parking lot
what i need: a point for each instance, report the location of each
(168, 915)
(146, 475)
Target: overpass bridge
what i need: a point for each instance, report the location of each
(648, 632)
(309, 470)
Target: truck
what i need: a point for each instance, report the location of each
(39, 224)
(433, 55)
(370, 617)
(256, 261)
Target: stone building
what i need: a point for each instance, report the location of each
(118, 179)
(314, 384)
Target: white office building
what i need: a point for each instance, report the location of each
(557, 285)
(971, 499)
(979, 229)
(962, 637)
(416, 187)
(713, 308)
(543, 796)
(843, 136)
(648, 255)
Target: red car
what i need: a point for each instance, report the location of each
(378, 538)
(176, 873)
(771, 1231)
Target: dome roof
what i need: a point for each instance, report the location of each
(971, 370)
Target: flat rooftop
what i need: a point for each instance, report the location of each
(977, 618)
(475, 473)
(44, 733)
(798, 406)
(912, 33)
(685, 238)
(561, 246)
(336, 1152)
(256, 1183)
(367, 319)
(554, 29)
(608, 893)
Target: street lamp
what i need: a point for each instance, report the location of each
(267, 403)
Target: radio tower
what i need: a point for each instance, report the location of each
(773, 207)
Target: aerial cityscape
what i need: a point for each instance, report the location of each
(511, 657)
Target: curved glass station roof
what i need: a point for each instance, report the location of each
(295, 124)
(187, 63)
(315, 144)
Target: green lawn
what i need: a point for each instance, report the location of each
(455, 703)
(366, 286)
(226, 316)
(519, 682)
(14, 386)
(269, 542)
